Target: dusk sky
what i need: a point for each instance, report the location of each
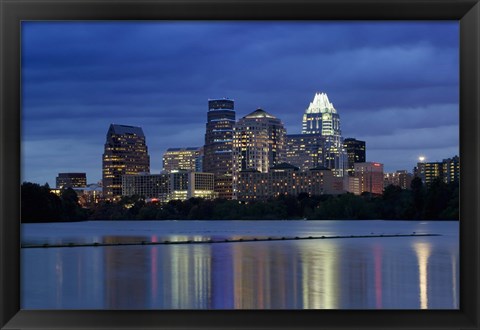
(395, 85)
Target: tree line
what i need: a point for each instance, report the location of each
(438, 201)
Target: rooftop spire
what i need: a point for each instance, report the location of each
(320, 104)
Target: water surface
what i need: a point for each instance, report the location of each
(350, 273)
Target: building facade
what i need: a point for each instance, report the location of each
(448, 170)
(125, 153)
(286, 179)
(322, 118)
(258, 143)
(179, 185)
(71, 180)
(176, 159)
(219, 144)
(368, 177)
(304, 151)
(356, 153)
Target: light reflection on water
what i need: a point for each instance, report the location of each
(400, 273)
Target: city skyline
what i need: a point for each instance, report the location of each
(406, 76)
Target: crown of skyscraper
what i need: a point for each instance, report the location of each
(259, 113)
(321, 104)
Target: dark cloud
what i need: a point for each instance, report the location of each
(384, 78)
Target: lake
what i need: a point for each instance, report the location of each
(344, 273)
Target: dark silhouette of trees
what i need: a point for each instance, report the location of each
(39, 204)
(438, 201)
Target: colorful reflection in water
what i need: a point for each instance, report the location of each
(399, 273)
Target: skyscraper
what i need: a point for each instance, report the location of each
(219, 143)
(305, 151)
(125, 153)
(355, 152)
(258, 143)
(322, 118)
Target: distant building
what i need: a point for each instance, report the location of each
(180, 185)
(286, 179)
(400, 178)
(90, 195)
(356, 153)
(451, 169)
(322, 118)
(71, 180)
(125, 153)
(147, 185)
(219, 143)
(368, 177)
(258, 143)
(305, 151)
(175, 159)
(448, 170)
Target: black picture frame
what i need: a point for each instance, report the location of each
(467, 12)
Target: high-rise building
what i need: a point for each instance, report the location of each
(355, 150)
(258, 143)
(305, 151)
(219, 143)
(175, 159)
(322, 118)
(448, 170)
(451, 169)
(368, 177)
(71, 180)
(125, 153)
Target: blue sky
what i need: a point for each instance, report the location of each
(394, 84)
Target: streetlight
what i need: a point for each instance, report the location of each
(421, 159)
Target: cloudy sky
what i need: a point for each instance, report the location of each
(394, 84)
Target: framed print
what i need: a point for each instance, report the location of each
(240, 164)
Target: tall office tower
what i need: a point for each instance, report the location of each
(218, 144)
(125, 153)
(258, 143)
(304, 151)
(355, 153)
(322, 118)
(71, 180)
(175, 159)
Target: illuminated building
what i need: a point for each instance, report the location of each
(400, 178)
(258, 143)
(447, 170)
(322, 118)
(125, 154)
(304, 151)
(368, 177)
(71, 180)
(177, 185)
(147, 185)
(218, 144)
(175, 159)
(286, 179)
(451, 169)
(355, 150)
